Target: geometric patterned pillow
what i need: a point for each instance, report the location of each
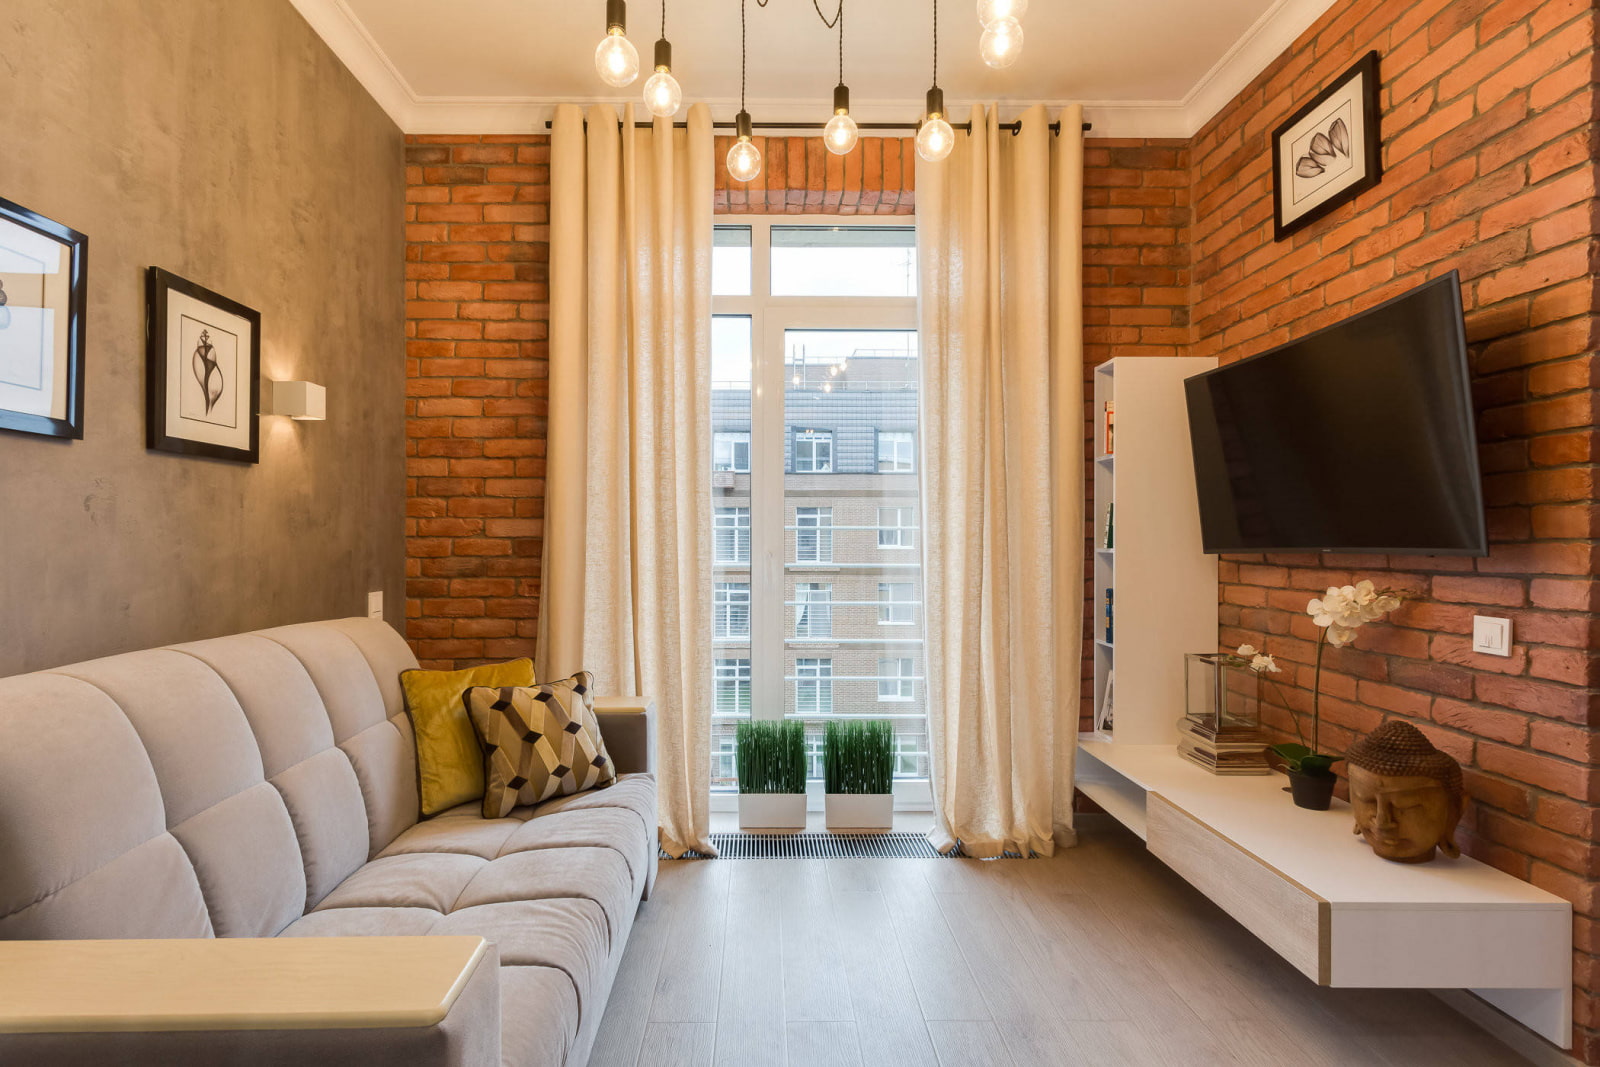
(539, 742)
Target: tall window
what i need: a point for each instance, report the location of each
(813, 610)
(814, 504)
(731, 535)
(813, 452)
(732, 611)
(813, 686)
(731, 452)
(732, 687)
(894, 452)
(897, 603)
(897, 527)
(896, 676)
(813, 535)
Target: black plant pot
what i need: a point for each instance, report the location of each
(1313, 791)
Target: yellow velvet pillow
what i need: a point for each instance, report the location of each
(449, 758)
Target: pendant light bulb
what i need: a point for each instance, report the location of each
(616, 60)
(935, 139)
(841, 132)
(662, 94)
(989, 10)
(1001, 43)
(744, 158)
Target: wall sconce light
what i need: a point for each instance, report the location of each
(306, 401)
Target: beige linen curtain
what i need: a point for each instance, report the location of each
(999, 234)
(627, 550)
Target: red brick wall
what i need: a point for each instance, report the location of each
(800, 176)
(1489, 138)
(477, 263)
(1136, 278)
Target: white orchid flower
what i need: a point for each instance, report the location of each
(1339, 636)
(1263, 662)
(1246, 651)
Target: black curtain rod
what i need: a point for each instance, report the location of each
(1011, 127)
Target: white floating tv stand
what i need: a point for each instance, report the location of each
(1310, 889)
(1299, 880)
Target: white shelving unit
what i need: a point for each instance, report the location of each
(1164, 588)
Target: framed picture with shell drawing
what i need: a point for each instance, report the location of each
(203, 371)
(1329, 151)
(43, 294)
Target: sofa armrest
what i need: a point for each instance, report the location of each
(423, 1001)
(628, 726)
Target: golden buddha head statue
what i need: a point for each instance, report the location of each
(1406, 793)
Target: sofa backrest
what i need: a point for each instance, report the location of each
(216, 788)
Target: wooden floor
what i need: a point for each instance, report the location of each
(1100, 956)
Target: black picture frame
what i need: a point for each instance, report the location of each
(1365, 71)
(70, 424)
(160, 287)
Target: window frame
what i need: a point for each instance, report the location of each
(717, 526)
(739, 675)
(771, 316)
(732, 439)
(888, 604)
(897, 438)
(812, 438)
(904, 679)
(724, 610)
(899, 529)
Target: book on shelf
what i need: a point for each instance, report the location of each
(1110, 431)
(1106, 540)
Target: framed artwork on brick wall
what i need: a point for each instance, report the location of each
(203, 367)
(43, 292)
(1329, 151)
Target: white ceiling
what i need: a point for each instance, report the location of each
(1141, 67)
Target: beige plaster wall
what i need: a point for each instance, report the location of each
(222, 140)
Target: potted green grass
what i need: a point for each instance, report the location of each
(771, 760)
(858, 775)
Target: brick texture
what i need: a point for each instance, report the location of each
(477, 268)
(800, 176)
(1489, 141)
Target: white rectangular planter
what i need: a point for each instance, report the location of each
(860, 811)
(772, 811)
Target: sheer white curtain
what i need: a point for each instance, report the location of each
(999, 236)
(627, 551)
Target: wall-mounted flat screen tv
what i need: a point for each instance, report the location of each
(1359, 437)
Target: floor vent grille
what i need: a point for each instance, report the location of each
(906, 846)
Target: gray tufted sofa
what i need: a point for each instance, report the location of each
(264, 785)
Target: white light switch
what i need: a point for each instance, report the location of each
(1491, 635)
(375, 604)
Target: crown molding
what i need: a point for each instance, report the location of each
(1271, 34)
(1263, 42)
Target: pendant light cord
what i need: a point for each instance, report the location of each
(935, 44)
(663, 20)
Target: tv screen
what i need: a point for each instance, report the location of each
(1357, 438)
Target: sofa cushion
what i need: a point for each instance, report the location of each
(538, 1006)
(385, 763)
(569, 935)
(449, 758)
(148, 891)
(600, 875)
(278, 697)
(539, 742)
(247, 860)
(618, 829)
(325, 804)
(431, 880)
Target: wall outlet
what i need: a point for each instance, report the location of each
(1491, 636)
(375, 604)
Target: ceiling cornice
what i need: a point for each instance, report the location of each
(1263, 42)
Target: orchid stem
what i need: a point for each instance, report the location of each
(1316, 692)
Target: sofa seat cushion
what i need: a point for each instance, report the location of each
(553, 887)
